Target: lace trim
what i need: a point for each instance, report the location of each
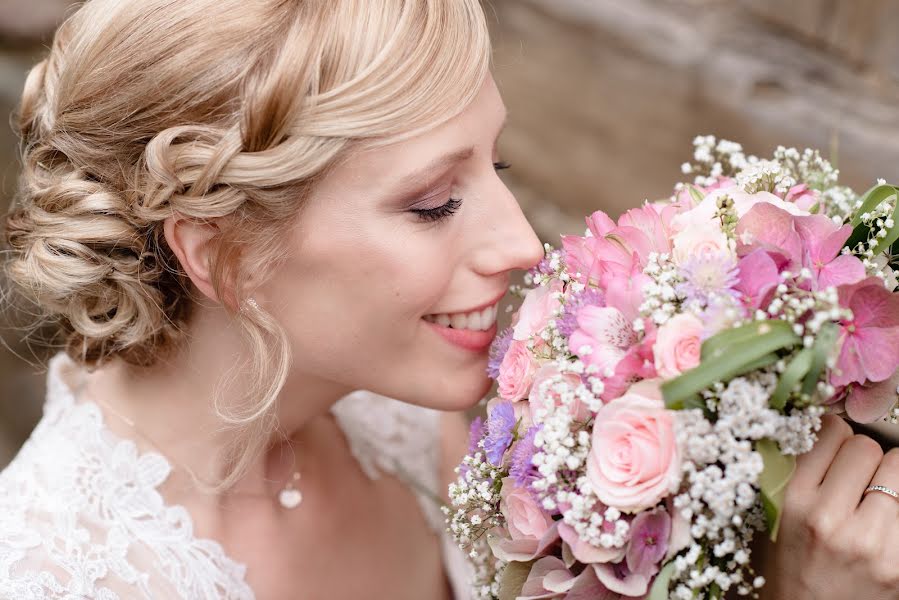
(87, 503)
(84, 503)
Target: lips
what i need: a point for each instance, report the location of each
(473, 330)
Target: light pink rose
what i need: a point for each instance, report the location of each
(678, 345)
(516, 372)
(549, 376)
(536, 310)
(525, 520)
(634, 462)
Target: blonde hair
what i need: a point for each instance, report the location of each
(211, 109)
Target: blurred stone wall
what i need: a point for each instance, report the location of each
(605, 97)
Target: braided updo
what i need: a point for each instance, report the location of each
(212, 109)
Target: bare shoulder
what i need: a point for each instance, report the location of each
(453, 446)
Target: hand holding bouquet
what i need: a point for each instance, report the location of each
(664, 371)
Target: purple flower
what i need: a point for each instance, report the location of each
(498, 352)
(475, 433)
(567, 323)
(500, 424)
(650, 531)
(707, 275)
(522, 469)
(543, 267)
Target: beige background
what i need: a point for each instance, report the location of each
(604, 98)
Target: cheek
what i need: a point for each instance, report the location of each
(358, 290)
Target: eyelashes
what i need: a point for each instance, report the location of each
(433, 215)
(441, 212)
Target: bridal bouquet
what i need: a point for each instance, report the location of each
(664, 371)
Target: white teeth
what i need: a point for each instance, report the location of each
(459, 321)
(481, 320)
(488, 316)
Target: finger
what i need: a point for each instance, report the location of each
(812, 466)
(849, 474)
(879, 508)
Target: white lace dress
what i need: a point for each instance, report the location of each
(81, 515)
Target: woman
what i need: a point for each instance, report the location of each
(236, 213)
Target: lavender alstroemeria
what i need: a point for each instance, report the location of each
(500, 426)
(498, 352)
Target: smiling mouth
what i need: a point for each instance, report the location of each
(479, 320)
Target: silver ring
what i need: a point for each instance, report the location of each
(882, 489)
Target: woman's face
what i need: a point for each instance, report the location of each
(401, 257)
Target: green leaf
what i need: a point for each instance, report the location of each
(659, 589)
(696, 194)
(871, 200)
(824, 345)
(773, 481)
(737, 351)
(514, 577)
(790, 378)
(718, 344)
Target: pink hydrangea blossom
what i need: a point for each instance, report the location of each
(868, 403)
(813, 242)
(549, 578)
(648, 545)
(869, 342)
(759, 277)
(822, 241)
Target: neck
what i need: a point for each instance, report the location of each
(170, 406)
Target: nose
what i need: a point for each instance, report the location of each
(511, 241)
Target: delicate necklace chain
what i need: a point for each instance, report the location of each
(289, 496)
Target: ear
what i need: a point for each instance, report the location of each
(190, 240)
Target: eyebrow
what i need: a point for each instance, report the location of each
(445, 161)
(441, 163)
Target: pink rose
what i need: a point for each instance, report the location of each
(633, 462)
(544, 394)
(678, 345)
(516, 372)
(536, 310)
(525, 520)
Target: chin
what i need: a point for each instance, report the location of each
(458, 393)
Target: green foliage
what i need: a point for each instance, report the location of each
(728, 355)
(513, 579)
(659, 589)
(773, 482)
